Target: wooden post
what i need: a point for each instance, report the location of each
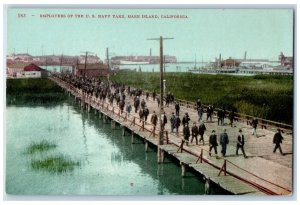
(146, 146)
(200, 157)
(181, 146)
(167, 137)
(123, 130)
(223, 168)
(113, 124)
(159, 155)
(132, 135)
(183, 169)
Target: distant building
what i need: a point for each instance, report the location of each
(25, 70)
(13, 68)
(90, 59)
(92, 70)
(22, 57)
(230, 63)
(285, 60)
(142, 59)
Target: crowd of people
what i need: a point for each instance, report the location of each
(117, 93)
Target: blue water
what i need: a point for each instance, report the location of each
(109, 163)
(169, 67)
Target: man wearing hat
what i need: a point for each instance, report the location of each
(202, 129)
(224, 141)
(240, 143)
(277, 140)
(213, 142)
(195, 133)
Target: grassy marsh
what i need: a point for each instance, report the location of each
(55, 164)
(265, 96)
(39, 147)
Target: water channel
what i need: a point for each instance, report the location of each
(108, 164)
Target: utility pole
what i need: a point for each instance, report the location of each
(107, 58)
(85, 65)
(85, 62)
(161, 136)
(60, 63)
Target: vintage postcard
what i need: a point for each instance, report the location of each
(147, 102)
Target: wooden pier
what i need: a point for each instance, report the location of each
(256, 175)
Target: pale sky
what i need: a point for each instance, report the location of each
(263, 33)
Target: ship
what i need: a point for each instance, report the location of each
(125, 62)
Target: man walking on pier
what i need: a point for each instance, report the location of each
(224, 141)
(172, 121)
(209, 112)
(141, 114)
(164, 120)
(202, 129)
(186, 133)
(177, 124)
(146, 113)
(128, 108)
(231, 117)
(177, 108)
(277, 140)
(254, 125)
(136, 103)
(154, 119)
(199, 109)
(195, 133)
(186, 119)
(213, 142)
(240, 143)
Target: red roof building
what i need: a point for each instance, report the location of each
(92, 70)
(32, 67)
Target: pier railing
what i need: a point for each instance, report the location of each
(240, 117)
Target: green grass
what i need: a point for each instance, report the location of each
(40, 147)
(33, 91)
(55, 164)
(31, 85)
(265, 96)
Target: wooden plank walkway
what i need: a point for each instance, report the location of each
(257, 181)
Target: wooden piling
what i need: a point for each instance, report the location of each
(162, 156)
(132, 135)
(123, 130)
(183, 169)
(159, 155)
(113, 124)
(104, 118)
(146, 146)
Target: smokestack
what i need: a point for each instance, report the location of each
(150, 52)
(245, 55)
